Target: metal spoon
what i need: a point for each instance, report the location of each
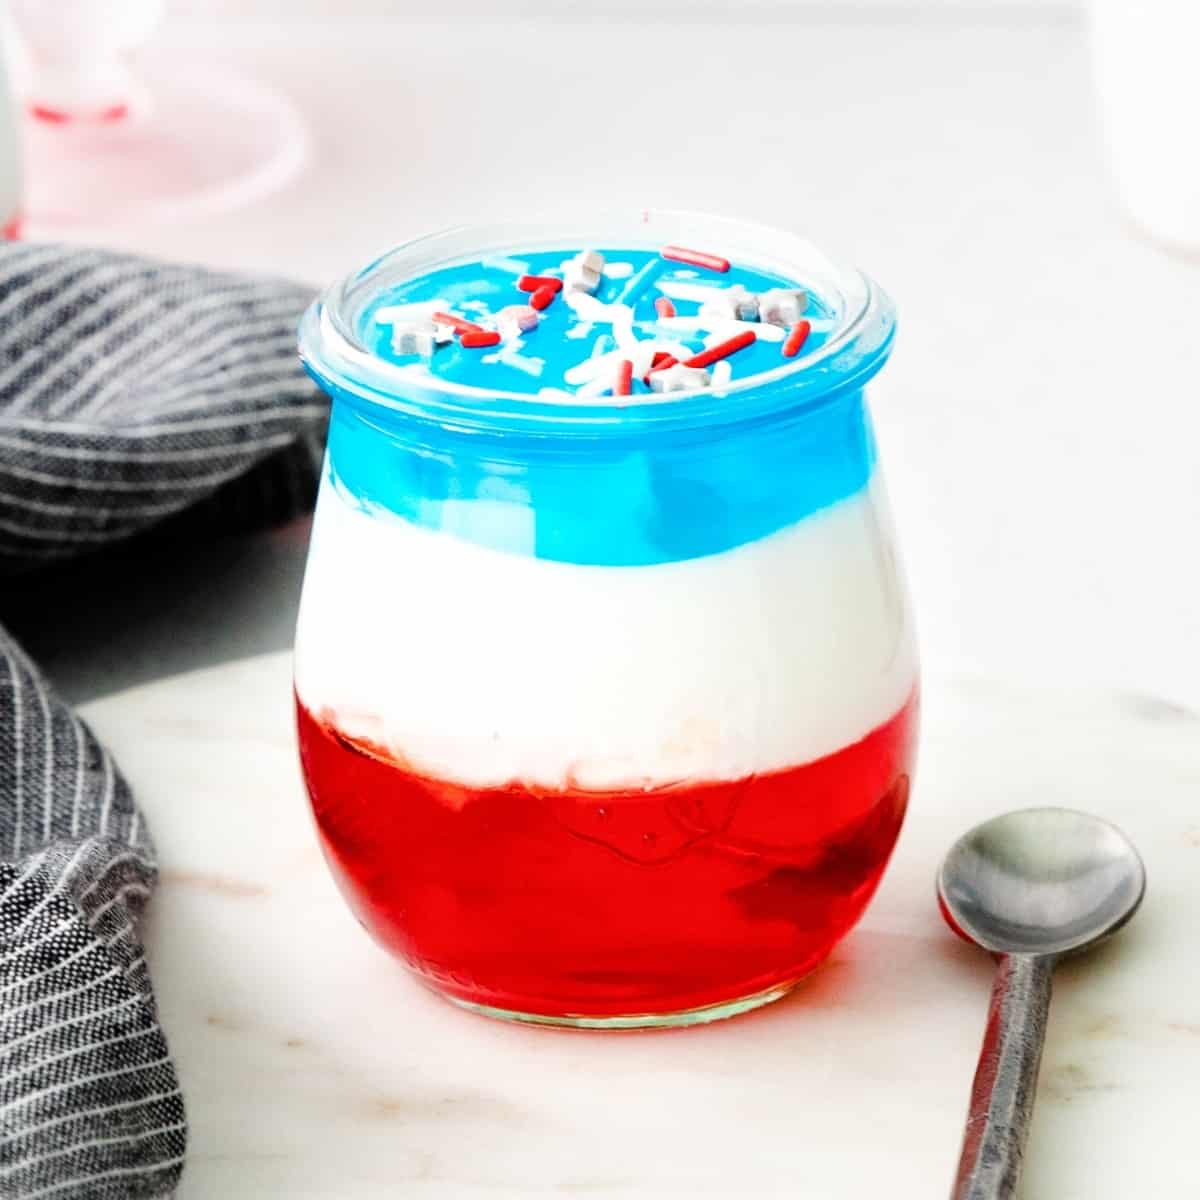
(1030, 887)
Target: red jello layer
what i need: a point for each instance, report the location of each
(588, 903)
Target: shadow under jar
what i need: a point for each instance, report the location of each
(606, 703)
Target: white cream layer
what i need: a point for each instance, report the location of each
(485, 667)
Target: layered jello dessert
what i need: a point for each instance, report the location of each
(605, 675)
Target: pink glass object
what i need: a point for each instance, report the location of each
(112, 137)
(10, 161)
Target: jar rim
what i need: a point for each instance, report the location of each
(335, 354)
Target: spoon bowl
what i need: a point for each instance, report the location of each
(1044, 881)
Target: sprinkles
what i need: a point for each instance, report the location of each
(532, 283)
(680, 378)
(661, 362)
(722, 349)
(624, 384)
(796, 338)
(649, 322)
(456, 323)
(695, 258)
(515, 320)
(480, 339)
(544, 296)
(722, 373)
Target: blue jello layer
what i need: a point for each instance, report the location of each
(462, 443)
(632, 502)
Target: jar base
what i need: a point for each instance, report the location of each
(668, 1020)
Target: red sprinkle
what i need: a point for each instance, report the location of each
(722, 349)
(624, 384)
(796, 338)
(456, 323)
(543, 297)
(695, 258)
(664, 307)
(660, 362)
(479, 339)
(531, 283)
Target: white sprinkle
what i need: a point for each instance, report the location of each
(588, 308)
(415, 337)
(524, 362)
(617, 270)
(722, 325)
(602, 344)
(582, 273)
(509, 356)
(680, 379)
(722, 373)
(515, 320)
(642, 357)
(685, 324)
(734, 303)
(688, 291)
(476, 306)
(782, 306)
(591, 368)
(597, 386)
(764, 333)
(622, 327)
(394, 313)
(580, 329)
(578, 279)
(513, 266)
(515, 344)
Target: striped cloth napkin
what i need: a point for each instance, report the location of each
(130, 391)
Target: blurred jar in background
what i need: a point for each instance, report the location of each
(75, 50)
(119, 128)
(10, 162)
(1148, 87)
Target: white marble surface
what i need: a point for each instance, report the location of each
(314, 1067)
(1039, 426)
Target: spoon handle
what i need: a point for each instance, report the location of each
(1006, 1079)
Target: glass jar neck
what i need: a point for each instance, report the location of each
(863, 327)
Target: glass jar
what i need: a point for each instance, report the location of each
(607, 709)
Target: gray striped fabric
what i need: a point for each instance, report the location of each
(130, 392)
